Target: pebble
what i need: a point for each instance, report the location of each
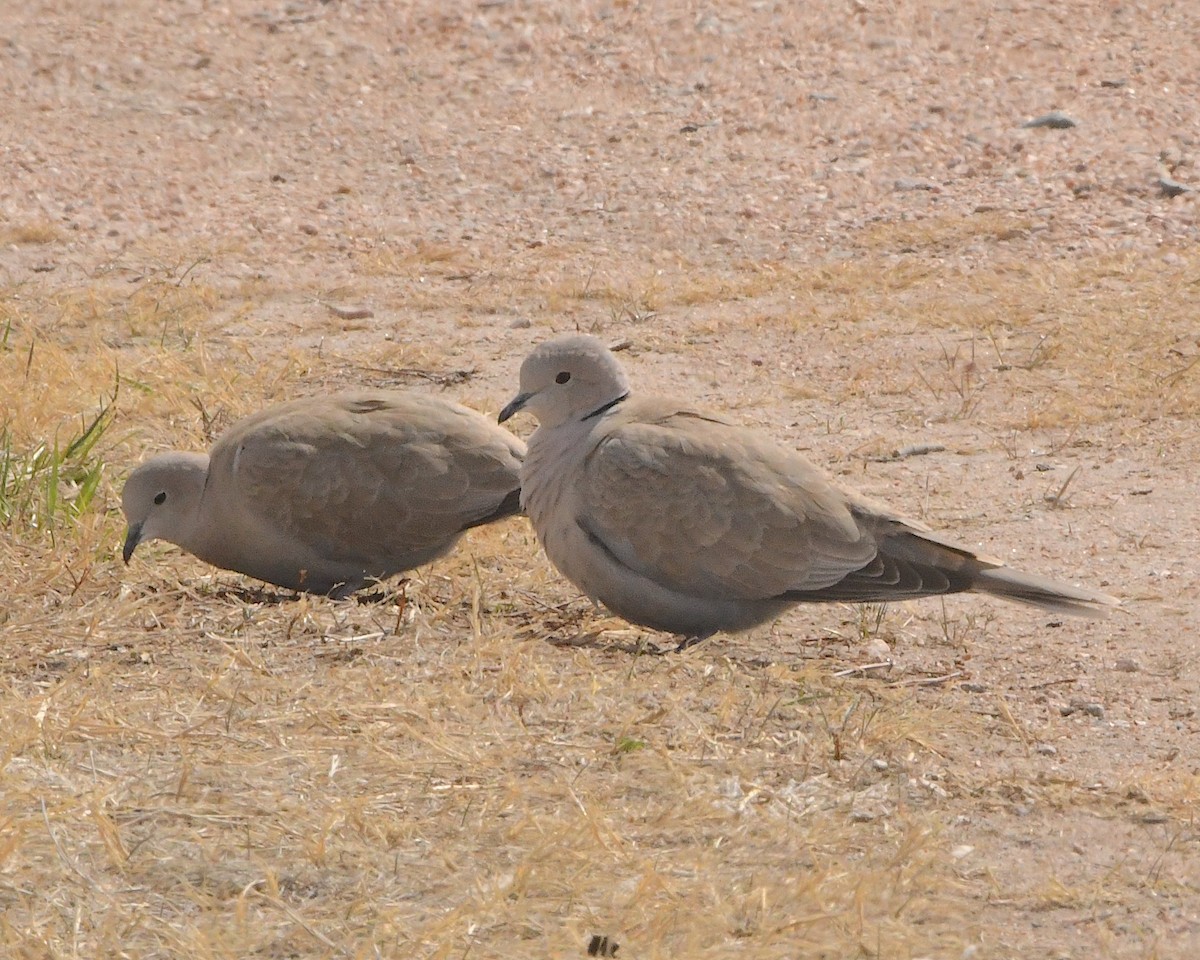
(1127, 665)
(1054, 120)
(1083, 706)
(1172, 188)
(877, 649)
(915, 183)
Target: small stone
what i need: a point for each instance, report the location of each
(877, 649)
(904, 184)
(962, 851)
(348, 312)
(1055, 120)
(1126, 665)
(1172, 188)
(309, 229)
(879, 764)
(521, 323)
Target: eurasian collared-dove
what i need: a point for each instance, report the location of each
(682, 521)
(328, 493)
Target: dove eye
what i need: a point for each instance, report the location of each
(160, 498)
(562, 377)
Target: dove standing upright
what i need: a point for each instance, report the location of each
(679, 520)
(326, 494)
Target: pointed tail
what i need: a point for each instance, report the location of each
(1051, 595)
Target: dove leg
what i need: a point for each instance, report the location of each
(686, 643)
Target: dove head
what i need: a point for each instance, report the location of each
(161, 497)
(568, 379)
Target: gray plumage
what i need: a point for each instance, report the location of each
(679, 520)
(328, 493)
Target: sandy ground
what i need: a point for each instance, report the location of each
(831, 220)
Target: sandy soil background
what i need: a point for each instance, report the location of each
(832, 220)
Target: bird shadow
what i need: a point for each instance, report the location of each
(266, 595)
(256, 596)
(596, 640)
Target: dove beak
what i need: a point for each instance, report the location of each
(516, 404)
(132, 538)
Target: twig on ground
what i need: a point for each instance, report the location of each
(1058, 499)
(1052, 683)
(930, 681)
(912, 450)
(866, 670)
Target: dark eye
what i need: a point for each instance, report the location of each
(160, 498)
(562, 377)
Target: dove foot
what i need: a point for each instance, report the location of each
(686, 643)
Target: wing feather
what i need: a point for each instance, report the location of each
(361, 477)
(709, 508)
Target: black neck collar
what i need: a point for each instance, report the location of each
(606, 407)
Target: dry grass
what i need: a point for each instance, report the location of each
(193, 766)
(34, 233)
(196, 767)
(418, 794)
(199, 770)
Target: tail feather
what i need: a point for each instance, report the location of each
(1051, 595)
(510, 506)
(972, 573)
(914, 563)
